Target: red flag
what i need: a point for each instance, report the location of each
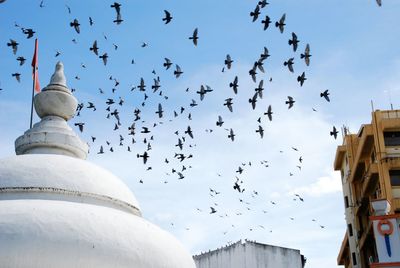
(35, 68)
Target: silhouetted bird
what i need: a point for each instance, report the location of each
(177, 71)
(289, 63)
(234, 85)
(269, 113)
(21, 60)
(301, 78)
(266, 22)
(290, 102)
(228, 61)
(255, 13)
(334, 132)
(167, 17)
(76, 25)
(94, 48)
(306, 56)
(281, 23)
(14, 44)
(325, 94)
(194, 37)
(294, 41)
(167, 63)
(104, 58)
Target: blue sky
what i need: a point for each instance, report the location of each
(354, 47)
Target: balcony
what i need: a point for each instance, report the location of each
(370, 179)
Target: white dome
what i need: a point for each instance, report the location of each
(49, 176)
(62, 211)
(42, 233)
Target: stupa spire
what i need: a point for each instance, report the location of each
(55, 105)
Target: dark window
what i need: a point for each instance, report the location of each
(392, 138)
(346, 201)
(395, 177)
(353, 256)
(350, 229)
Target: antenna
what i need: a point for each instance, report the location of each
(372, 105)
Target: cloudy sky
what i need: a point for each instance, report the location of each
(354, 47)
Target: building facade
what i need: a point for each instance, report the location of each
(249, 254)
(369, 162)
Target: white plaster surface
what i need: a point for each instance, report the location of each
(43, 233)
(62, 172)
(250, 255)
(51, 135)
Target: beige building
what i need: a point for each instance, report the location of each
(369, 162)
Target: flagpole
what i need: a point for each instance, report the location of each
(35, 85)
(33, 94)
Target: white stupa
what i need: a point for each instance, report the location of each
(59, 210)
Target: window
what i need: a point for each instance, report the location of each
(353, 256)
(346, 201)
(395, 177)
(350, 228)
(392, 138)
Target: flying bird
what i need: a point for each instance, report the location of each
(159, 111)
(263, 3)
(17, 76)
(290, 102)
(167, 17)
(228, 61)
(301, 78)
(21, 60)
(325, 94)
(167, 64)
(177, 71)
(80, 126)
(228, 103)
(231, 135)
(145, 156)
(253, 73)
(118, 20)
(306, 56)
(269, 113)
(117, 7)
(294, 41)
(234, 85)
(334, 132)
(260, 131)
(220, 122)
(76, 25)
(255, 13)
(94, 48)
(194, 37)
(29, 33)
(266, 22)
(281, 23)
(265, 54)
(260, 89)
(253, 101)
(289, 63)
(14, 44)
(104, 58)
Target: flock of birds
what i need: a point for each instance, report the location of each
(141, 131)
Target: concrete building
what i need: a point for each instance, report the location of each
(58, 210)
(249, 254)
(369, 163)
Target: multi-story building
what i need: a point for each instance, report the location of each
(369, 163)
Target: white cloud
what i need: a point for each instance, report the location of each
(323, 185)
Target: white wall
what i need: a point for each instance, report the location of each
(250, 255)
